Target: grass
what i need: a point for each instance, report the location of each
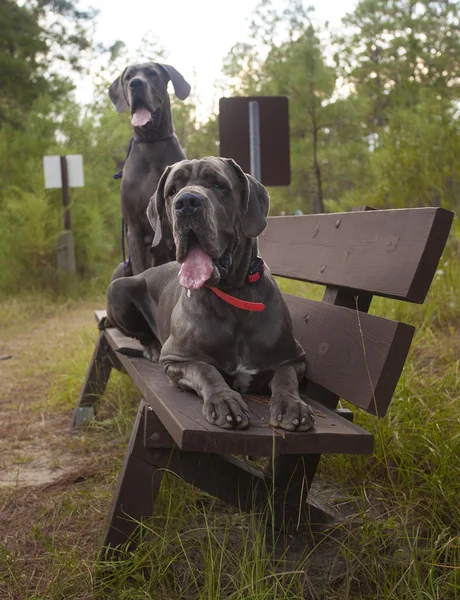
(400, 541)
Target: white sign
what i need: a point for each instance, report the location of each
(52, 169)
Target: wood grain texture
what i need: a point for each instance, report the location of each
(355, 355)
(181, 414)
(96, 379)
(232, 480)
(137, 488)
(390, 253)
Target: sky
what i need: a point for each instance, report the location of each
(197, 34)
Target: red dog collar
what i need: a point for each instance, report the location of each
(243, 304)
(255, 272)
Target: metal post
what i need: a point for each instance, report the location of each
(65, 193)
(254, 139)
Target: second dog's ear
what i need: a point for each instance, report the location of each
(155, 209)
(117, 94)
(181, 87)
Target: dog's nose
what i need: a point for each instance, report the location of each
(136, 83)
(188, 203)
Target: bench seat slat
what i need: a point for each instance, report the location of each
(332, 337)
(391, 253)
(181, 413)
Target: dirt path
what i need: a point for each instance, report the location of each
(34, 437)
(55, 485)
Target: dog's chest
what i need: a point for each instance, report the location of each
(245, 363)
(243, 377)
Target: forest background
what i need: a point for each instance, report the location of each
(374, 118)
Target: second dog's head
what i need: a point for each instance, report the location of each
(212, 209)
(143, 88)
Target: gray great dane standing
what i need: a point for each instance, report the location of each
(143, 89)
(215, 319)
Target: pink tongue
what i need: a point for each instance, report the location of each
(196, 269)
(140, 117)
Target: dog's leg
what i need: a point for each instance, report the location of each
(287, 410)
(137, 249)
(222, 406)
(131, 308)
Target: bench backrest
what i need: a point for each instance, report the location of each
(392, 253)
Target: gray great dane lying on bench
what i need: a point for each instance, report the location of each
(143, 88)
(215, 319)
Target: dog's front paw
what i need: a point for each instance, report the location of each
(226, 409)
(152, 352)
(291, 413)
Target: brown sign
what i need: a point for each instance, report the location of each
(274, 135)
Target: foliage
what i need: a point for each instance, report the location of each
(393, 50)
(357, 120)
(36, 39)
(399, 537)
(416, 159)
(374, 120)
(373, 117)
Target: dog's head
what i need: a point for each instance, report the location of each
(143, 88)
(212, 209)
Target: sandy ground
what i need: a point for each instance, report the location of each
(34, 439)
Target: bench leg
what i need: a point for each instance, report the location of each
(137, 489)
(246, 488)
(294, 473)
(151, 451)
(94, 385)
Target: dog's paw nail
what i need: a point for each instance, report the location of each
(229, 419)
(279, 417)
(239, 418)
(213, 415)
(295, 422)
(304, 420)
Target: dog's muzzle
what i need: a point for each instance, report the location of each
(188, 204)
(136, 84)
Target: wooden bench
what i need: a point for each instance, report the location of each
(350, 354)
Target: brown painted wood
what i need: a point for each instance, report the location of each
(137, 488)
(155, 433)
(350, 354)
(334, 339)
(349, 298)
(96, 378)
(181, 414)
(98, 374)
(230, 479)
(390, 253)
(236, 482)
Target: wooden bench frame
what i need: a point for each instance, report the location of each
(350, 354)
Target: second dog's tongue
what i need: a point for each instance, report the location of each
(196, 269)
(140, 117)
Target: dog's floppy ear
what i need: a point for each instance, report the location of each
(256, 203)
(156, 206)
(181, 87)
(117, 94)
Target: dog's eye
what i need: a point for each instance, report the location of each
(217, 186)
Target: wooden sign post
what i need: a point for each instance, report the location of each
(64, 172)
